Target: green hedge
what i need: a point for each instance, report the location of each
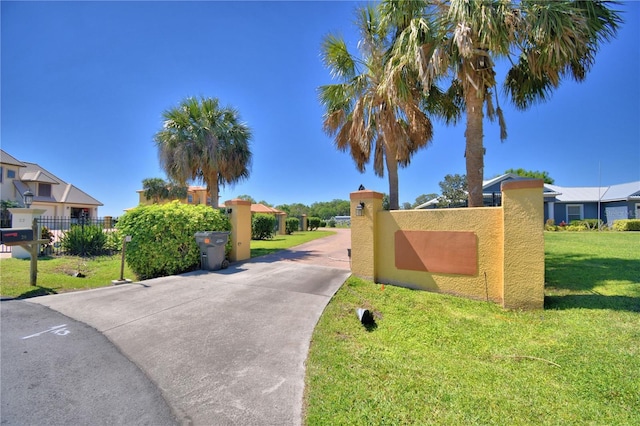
(626, 225)
(292, 225)
(263, 226)
(163, 237)
(313, 223)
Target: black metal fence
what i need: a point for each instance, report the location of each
(54, 229)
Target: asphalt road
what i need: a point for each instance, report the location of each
(58, 371)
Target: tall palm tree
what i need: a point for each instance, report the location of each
(202, 141)
(544, 41)
(365, 117)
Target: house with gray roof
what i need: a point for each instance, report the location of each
(608, 203)
(564, 204)
(57, 197)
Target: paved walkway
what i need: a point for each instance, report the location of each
(225, 347)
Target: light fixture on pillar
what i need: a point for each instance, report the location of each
(28, 198)
(360, 209)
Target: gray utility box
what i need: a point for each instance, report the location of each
(212, 249)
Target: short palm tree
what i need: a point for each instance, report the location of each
(157, 189)
(545, 41)
(202, 141)
(369, 119)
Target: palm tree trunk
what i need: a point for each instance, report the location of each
(392, 169)
(474, 152)
(212, 189)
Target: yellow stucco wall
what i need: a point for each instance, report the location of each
(510, 246)
(484, 222)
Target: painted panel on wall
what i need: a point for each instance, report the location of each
(446, 252)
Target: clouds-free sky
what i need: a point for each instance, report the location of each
(84, 85)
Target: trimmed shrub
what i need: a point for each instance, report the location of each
(263, 226)
(332, 223)
(588, 223)
(292, 225)
(313, 223)
(323, 224)
(626, 225)
(163, 237)
(84, 240)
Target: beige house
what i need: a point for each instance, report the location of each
(57, 197)
(199, 195)
(195, 195)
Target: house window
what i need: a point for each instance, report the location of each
(44, 190)
(637, 210)
(11, 174)
(190, 198)
(1, 174)
(575, 212)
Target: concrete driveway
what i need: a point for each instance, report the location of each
(225, 347)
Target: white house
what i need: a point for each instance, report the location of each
(57, 197)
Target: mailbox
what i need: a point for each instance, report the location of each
(16, 235)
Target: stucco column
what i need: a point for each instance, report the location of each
(523, 217)
(23, 218)
(303, 224)
(282, 223)
(363, 244)
(240, 217)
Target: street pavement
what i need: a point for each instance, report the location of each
(223, 347)
(58, 371)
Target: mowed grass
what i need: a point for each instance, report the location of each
(281, 242)
(437, 359)
(55, 275)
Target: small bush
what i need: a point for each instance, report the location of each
(163, 237)
(332, 223)
(84, 240)
(292, 225)
(626, 225)
(263, 226)
(323, 224)
(46, 234)
(313, 223)
(114, 241)
(550, 225)
(588, 223)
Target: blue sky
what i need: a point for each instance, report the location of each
(84, 85)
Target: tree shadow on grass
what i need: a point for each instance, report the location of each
(592, 301)
(576, 277)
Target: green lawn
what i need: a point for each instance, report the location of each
(437, 359)
(280, 242)
(54, 273)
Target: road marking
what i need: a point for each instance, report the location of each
(59, 330)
